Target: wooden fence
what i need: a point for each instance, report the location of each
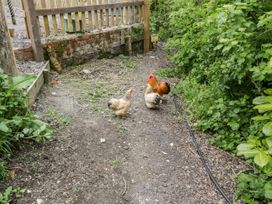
(58, 17)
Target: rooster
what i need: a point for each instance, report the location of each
(121, 106)
(162, 88)
(152, 100)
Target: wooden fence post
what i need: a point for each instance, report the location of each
(33, 29)
(146, 26)
(7, 59)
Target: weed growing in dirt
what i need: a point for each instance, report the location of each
(96, 93)
(3, 171)
(10, 192)
(114, 162)
(121, 128)
(127, 63)
(59, 120)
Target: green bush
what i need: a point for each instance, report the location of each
(17, 123)
(16, 120)
(223, 51)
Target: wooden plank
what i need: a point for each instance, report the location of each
(101, 15)
(96, 26)
(107, 17)
(75, 4)
(122, 14)
(130, 12)
(147, 26)
(60, 5)
(36, 86)
(127, 14)
(83, 16)
(133, 12)
(45, 19)
(69, 18)
(142, 13)
(38, 20)
(46, 72)
(33, 30)
(117, 16)
(34, 89)
(25, 19)
(54, 20)
(112, 14)
(42, 12)
(138, 11)
(128, 43)
(90, 16)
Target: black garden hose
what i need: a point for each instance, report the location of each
(179, 108)
(11, 10)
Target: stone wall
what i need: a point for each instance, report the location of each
(79, 49)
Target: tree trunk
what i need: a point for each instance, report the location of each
(7, 58)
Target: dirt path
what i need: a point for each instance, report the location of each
(96, 158)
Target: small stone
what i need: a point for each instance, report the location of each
(126, 147)
(145, 156)
(163, 152)
(86, 71)
(40, 201)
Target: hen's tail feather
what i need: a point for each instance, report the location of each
(157, 100)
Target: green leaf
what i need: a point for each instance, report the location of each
(248, 153)
(262, 100)
(245, 146)
(269, 142)
(22, 81)
(261, 159)
(263, 108)
(4, 127)
(268, 190)
(267, 129)
(268, 92)
(260, 118)
(267, 169)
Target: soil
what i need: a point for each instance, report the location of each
(95, 157)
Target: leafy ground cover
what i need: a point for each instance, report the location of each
(17, 123)
(223, 56)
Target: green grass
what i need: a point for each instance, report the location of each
(59, 119)
(114, 162)
(127, 63)
(6, 196)
(121, 128)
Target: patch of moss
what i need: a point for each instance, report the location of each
(60, 49)
(137, 32)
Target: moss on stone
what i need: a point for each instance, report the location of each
(137, 33)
